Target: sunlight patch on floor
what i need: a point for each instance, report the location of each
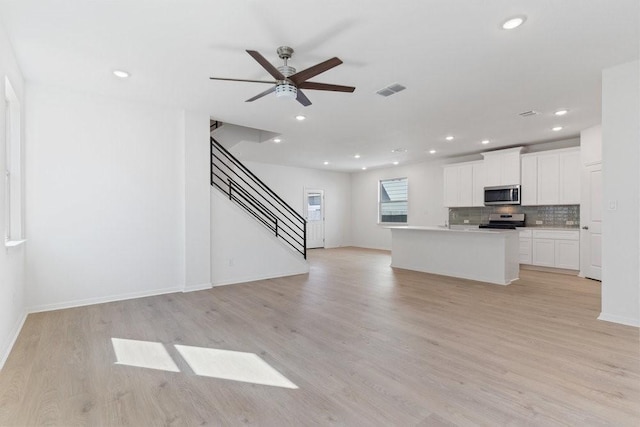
(206, 362)
(143, 354)
(232, 365)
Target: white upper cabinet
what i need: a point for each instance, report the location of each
(548, 179)
(551, 177)
(529, 180)
(570, 178)
(502, 167)
(450, 194)
(459, 185)
(479, 174)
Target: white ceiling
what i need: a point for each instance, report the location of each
(465, 76)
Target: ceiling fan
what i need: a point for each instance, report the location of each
(288, 83)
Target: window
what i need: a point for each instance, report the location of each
(13, 170)
(393, 197)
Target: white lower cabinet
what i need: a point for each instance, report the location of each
(524, 254)
(568, 254)
(544, 252)
(556, 248)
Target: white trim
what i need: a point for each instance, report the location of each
(200, 287)
(236, 281)
(14, 337)
(619, 319)
(13, 243)
(101, 300)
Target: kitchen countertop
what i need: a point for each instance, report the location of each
(455, 229)
(549, 228)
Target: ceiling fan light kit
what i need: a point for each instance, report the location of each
(286, 91)
(289, 82)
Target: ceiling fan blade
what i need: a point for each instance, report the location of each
(266, 64)
(302, 99)
(261, 94)
(305, 75)
(242, 80)
(325, 86)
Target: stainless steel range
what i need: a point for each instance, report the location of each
(504, 221)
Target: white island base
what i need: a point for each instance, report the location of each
(477, 254)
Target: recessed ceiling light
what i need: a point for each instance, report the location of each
(120, 73)
(561, 112)
(514, 22)
(485, 142)
(300, 117)
(432, 151)
(277, 140)
(449, 138)
(395, 163)
(364, 168)
(557, 128)
(356, 156)
(399, 150)
(326, 162)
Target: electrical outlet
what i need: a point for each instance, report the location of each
(466, 221)
(231, 262)
(538, 222)
(570, 223)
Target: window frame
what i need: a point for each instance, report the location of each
(380, 182)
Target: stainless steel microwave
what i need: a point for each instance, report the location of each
(502, 195)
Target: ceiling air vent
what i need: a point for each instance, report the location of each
(528, 113)
(391, 89)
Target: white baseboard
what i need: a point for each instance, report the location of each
(200, 287)
(246, 279)
(101, 300)
(619, 319)
(13, 337)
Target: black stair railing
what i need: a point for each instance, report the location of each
(245, 189)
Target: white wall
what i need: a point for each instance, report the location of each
(425, 182)
(621, 190)
(12, 260)
(290, 182)
(243, 250)
(197, 202)
(105, 199)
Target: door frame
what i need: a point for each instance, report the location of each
(306, 192)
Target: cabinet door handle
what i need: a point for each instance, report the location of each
(586, 227)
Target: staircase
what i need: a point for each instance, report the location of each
(247, 191)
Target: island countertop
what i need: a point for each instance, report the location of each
(457, 229)
(481, 254)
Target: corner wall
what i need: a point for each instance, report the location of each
(621, 194)
(12, 260)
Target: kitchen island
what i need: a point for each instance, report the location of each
(478, 254)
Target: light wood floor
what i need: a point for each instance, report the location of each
(366, 345)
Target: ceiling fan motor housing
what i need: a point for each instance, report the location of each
(287, 70)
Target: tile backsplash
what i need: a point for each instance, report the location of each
(555, 216)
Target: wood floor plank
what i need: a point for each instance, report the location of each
(364, 343)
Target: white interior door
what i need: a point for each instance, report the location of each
(591, 222)
(314, 214)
